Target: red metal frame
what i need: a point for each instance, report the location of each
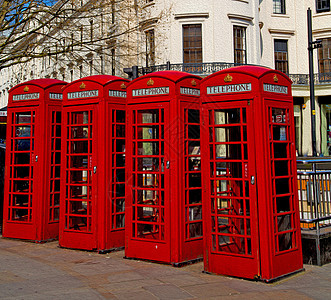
(164, 202)
(251, 211)
(32, 175)
(93, 145)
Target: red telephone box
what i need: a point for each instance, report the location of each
(32, 174)
(164, 201)
(251, 211)
(93, 172)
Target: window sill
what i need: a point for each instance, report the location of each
(321, 14)
(280, 15)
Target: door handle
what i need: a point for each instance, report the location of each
(168, 164)
(94, 169)
(252, 179)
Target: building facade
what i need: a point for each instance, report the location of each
(201, 37)
(204, 36)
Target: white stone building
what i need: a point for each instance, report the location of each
(203, 36)
(272, 33)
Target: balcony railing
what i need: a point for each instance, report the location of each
(205, 69)
(314, 189)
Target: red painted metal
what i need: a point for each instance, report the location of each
(32, 174)
(251, 211)
(92, 178)
(164, 201)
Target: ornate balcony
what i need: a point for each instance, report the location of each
(205, 69)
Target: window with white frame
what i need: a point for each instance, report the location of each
(322, 5)
(324, 56)
(281, 55)
(239, 44)
(279, 7)
(192, 43)
(150, 48)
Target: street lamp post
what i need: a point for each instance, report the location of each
(311, 46)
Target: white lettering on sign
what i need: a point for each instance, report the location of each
(83, 94)
(230, 88)
(33, 96)
(55, 96)
(273, 88)
(119, 94)
(151, 91)
(189, 91)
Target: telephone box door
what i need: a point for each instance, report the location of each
(21, 170)
(232, 225)
(149, 203)
(285, 220)
(79, 180)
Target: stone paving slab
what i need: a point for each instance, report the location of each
(45, 271)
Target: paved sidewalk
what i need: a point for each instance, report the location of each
(45, 271)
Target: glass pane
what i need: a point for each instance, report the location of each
(80, 161)
(148, 132)
(148, 116)
(284, 223)
(120, 116)
(80, 117)
(148, 148)
(229, 116)
(79, 147)
(285, 241)
(193, 116)
(282, 186)
(79, 132)
(195, 230)
(283, 204)
(195, 196)
(23, 117)
(280, 150)
(22, 131)
(195, 213)
(281, 168)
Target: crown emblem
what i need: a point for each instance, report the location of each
(26, 89)
(228, 78)
(194, 83)
(150, 82)
(275, 78)
(82, 86)
(123, 86)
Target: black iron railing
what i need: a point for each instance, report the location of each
(205, 69)
(314, 190)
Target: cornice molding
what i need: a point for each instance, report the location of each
(192, 15)
(147, 23)
(281, 31)
(240, 17)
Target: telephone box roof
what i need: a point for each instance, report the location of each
(101, 79)
(255, 71)
(173, 76)
(42, 83)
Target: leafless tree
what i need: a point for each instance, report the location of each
(69, 31)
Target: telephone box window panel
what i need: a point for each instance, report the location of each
(92, 203)
(251, 210)
(32, 184)
(164, 204)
